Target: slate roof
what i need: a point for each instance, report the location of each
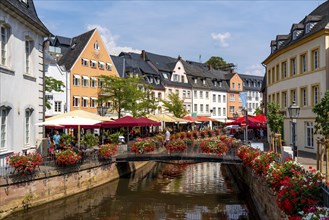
(319, 15)
(252, 78)
(78, 43)
(162, 63)
(118, 63)
(61, 41)
(27, 12)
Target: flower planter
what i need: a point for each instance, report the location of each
(25, 164)
(106, 151)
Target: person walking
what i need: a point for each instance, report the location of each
(167, 139)
(57, 139)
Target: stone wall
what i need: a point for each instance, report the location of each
(262, 197)
(20, 192)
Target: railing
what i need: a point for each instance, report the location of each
(4, 167)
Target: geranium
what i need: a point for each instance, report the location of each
(315, 213)
(217, 131)
(25, 163)
(143, 145)
(247, 155)
(176, 146)
(210, 133)
(106, 151)
(213, 146)
(189, 134)
(67, 157)
(262, 163)
(195, 134)
(203, 134)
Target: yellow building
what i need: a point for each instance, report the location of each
(234, 103)
(86, 60)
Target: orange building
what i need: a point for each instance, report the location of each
(234, 104)
(85, 60)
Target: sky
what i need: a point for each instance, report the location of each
(238, 31)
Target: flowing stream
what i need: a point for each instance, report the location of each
(169, 191)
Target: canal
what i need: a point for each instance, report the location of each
(168, 191)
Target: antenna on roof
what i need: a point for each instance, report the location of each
(200, 58)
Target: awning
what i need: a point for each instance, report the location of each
(100, 62)
(93, 78)
(85, 97)
(76, 97)
(85, 77)
(77, 76)
(93, 98)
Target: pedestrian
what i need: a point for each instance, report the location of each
(261, 133)
(57, 139)
(48, 140)
(167, 139)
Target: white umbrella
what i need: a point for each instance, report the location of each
(71, 120)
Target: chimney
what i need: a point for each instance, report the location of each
(143, 55)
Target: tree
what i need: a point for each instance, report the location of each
(258, 110)
(127, 94)
(274, 117)
(175, 105)
(52, 84)
(321, 121)
(219, 63)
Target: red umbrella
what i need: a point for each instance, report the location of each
(148, 122)
(260, 117)
(129, 121)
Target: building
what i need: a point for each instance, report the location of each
(21, 76)
(252, 85)
(234, 103)
(84, 62)
(297, 71)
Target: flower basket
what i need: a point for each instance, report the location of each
(106, 151)
(143, 145)
(25, 164)
(213, 146)
(203, 134)
(176, 146)
(67, 157)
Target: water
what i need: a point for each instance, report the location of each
(169, 191)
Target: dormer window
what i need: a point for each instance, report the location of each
(296, 34)
(195, 81)
(175, 77)
(215, 83)
(204, 82)
(157, 81)
(273, 49)
(220, 84)
(165, 75)
(309, 26)
(96, 46)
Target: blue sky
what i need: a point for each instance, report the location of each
(238, 31)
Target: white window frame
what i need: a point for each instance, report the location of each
(195, 94)
(207, 108)
(309, 134)
(84, 62)
(76, 101)
(224, 111)
(315, 54)
(214, 98)
(93, 102)
(28, 52)
(232, 97)
(93, 82)
(231, 109)
(3, 127)
(5, 31)
(76, 80)
(101, 65)
(28, 126)
(224, 98)
(93, 64)
(207, 95)
(57, 106)
(195, 108)
(108, 66)
(219, 112)
(85, 82)
(84, 103)
(201, 108)
(201, 94)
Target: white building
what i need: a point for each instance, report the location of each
(297, 71)
(21, 76)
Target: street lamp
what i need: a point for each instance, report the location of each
(102, 110)
(235, 115)
(293, 111)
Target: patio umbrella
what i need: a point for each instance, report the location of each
(260, 117)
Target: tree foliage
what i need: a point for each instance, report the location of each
(258, 110)
(175, 105)
(52, 84)
(322, 119)
(274, 117)
(218, 63)
(126, 94)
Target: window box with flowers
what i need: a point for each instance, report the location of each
(176, 146)
(25, 164)
(213, 146)
(143, 145)
(106, 151)
(67, 158)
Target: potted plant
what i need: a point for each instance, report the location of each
(213, 146)
(143, 145)
(67, 157)
(106, 151)
(176, 145)
(89, 140)
(24, 164)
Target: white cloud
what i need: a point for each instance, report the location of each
(222, 38)
(256, 70)
(110, 40)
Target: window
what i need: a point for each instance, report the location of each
(108, 66)
(214, 111)
(239, 86)
(169, 91)
(28, 113)
(220, 84)
(159, 95)
(207, 95)
(201, 94)
(28, 51)
(93, 102)
(201, 107)
(76, 80)
(84, 62)
(315, 95)
(276, 74)
(204, 82)
(58, 106)
(303, 93)
(184, 93)
(175, 77)
(224, 98)
(85, 102)
(177, 92)
(231, 109)
(3, 41)
(224, 111)
(85, 81)
(188, 94)
(293, 66)
(219, 112)
(293, 96)
(101, 65)
(284, 99)
(284, 70)
(214, 98)
(165, 75)
(232, 98)
(3, 126)
(309, 140)
(96, 45)
(195, 94)
(207, 108)
(93, 64)
(195, 81)
(303, 63)
(315, 59)
(100, 83)
(93, 82)
(76, 101)
(233, 85)
(195, 108)
(269, 77)
(219, 98)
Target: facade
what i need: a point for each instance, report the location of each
(234, 103)
(297, 71)
(21, 76)
(252, 85)
(84, 62)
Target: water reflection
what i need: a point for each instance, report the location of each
(168, 191)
